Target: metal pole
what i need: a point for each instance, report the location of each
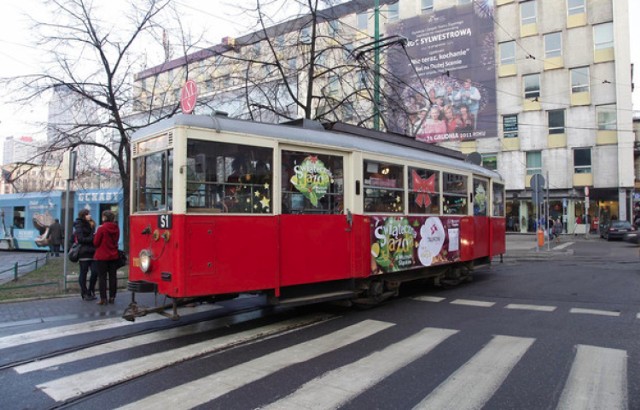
(548, 214)
(376, 67)
(66, 236)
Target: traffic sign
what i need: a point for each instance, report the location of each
(188, 96)
(537, 185)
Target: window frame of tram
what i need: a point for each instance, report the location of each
(455, 200)
(480, 197)
(228, 177)
(498, 198)
(383, 187)
(153, 184)
(312, 183)
(424, 191)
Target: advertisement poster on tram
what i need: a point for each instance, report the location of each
(445, 78)
(399, 243)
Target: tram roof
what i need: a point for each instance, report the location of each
(334, 134)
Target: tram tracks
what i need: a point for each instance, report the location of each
(197, 326)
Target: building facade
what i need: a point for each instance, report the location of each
(553, 79)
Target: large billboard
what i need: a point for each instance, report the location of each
(445, 82)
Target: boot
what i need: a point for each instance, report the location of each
(101, 302)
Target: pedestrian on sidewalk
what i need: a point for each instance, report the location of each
(83, 232)
(106, 256)
(55, 238)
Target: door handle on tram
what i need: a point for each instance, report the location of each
(349, 220)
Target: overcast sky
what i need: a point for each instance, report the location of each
(19, 56)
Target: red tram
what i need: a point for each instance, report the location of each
(302, 213)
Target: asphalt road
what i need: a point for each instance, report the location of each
(557, 329)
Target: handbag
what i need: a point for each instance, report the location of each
(74, 252)
(122, 259)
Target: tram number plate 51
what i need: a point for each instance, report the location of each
(164, 221)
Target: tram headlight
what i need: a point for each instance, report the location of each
(145, 260)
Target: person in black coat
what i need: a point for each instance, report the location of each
(55, 237)
(83, 231)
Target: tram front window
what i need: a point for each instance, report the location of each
(153, 191)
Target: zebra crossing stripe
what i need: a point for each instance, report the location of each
(225, 381)
(337, 387)
(472, 385)
(86, 327)
(68, 387)
(134, 341)
(597, 380)
(434, 299)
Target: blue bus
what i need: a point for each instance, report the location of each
(26, 217)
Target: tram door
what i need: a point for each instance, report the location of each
(314, 236)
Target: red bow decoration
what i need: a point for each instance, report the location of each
(424, 187)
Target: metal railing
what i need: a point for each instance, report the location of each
(16, 270)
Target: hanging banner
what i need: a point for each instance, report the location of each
(446, 82)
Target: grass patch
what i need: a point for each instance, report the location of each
(46, 281)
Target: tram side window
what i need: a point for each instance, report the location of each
(18, 217)
(223, 177)
(312, 183)
(498, 199)
(454, 194)
(383, 187)
(153, 186)
(480, 197)
(424, 191)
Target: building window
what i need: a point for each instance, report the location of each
(575, 7)
(606, 115)
(333, 83)
(462, 2)
(508, 53)
(528, 13)
(510, 126)
(426, 5)
(334, 27)
(556, 121)
(362, 79)
(534, 162)
(393, 11)
(553, 45)
(490, 161)
(305, 35)
(362, 20)
(580, 80)
(603, 36)
(582, 160)
(531, 86)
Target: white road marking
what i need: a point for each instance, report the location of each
(594, 312)
(538, 308)
(333, 389)
(471, 386)
(466, 302)
(88, 327)
(598, 380)
(564, 245)
(434, 299)
(128, 343)
(68, 387)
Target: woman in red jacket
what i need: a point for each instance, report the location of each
(106, 256)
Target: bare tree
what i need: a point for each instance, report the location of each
(91, 67)
(308, 64)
